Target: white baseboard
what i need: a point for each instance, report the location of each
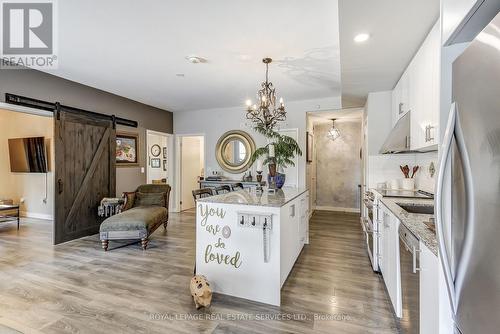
(43, 216)
(336, 208)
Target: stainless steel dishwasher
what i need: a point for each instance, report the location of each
(410, 280)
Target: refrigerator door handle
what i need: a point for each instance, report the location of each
(469, 200)
(443, 250)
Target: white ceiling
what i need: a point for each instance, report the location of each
(345, 114)
(397, 28)
(135, 49)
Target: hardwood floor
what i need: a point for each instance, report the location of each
(77, 288)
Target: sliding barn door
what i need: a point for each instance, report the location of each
(84, 172)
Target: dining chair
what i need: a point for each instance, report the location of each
(222, 189)
(201, 193)
(237, 186)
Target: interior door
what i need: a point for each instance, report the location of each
(85, 172)
(191, 163)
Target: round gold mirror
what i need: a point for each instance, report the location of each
(234, 151)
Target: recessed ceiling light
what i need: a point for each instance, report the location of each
(245, 57)
(360, 38)
(195, 59)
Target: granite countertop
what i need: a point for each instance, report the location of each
(230, 181)
(413, 221)
(250, 197)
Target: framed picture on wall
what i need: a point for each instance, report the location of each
(155, 163)
(309, 147)
(164, 153)
(164, 165)
(127, 149)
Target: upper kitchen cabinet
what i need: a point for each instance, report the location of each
(400, 98)
(418, 91)
(424, 79)
(464, 19)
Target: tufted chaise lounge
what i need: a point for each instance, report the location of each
(143, 212)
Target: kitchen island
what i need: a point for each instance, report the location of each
(247, 243)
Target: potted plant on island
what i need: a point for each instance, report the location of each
(277, 154)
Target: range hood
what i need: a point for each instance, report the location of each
(398, 140)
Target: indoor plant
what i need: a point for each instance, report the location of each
(285, 149)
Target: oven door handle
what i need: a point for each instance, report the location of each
(368, 203)
(368, 227)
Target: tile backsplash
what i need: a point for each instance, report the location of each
(382, 168)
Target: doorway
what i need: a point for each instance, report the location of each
(335, 165)
(191, 168)
(26, 171)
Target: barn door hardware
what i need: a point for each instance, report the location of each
(48, 106)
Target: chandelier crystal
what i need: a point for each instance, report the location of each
(334, 132)
(267, 113)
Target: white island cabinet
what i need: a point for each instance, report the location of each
(247, 243)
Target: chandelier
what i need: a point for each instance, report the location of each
(266, 114)
(334, 132)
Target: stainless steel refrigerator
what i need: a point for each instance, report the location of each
(469, 187)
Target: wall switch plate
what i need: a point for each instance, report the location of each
(142, 170)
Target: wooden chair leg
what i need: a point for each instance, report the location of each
(165, 224)
(144, 243)
(105, 244)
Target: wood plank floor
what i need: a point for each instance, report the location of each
(78, 288)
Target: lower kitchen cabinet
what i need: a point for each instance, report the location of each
(429, 291)
(389, 257)
(428, 269)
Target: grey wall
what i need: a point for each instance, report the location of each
(43, 86)
(338, 167)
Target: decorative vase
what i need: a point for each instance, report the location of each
(280, 180)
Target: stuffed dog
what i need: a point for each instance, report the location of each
(201, 291)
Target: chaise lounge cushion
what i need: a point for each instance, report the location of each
(137, 218)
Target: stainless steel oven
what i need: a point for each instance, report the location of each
(369, 223)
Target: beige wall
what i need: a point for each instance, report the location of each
(29, 186)
(338, 165)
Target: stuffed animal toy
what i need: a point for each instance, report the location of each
(201, 291)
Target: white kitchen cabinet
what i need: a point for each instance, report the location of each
(389, 257)
(424, 92)
(453, 12)
(463, 20)
(429, 291)
(401, 98)
(418, 91)
(396, 103)
(304, 220)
